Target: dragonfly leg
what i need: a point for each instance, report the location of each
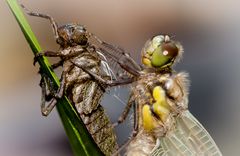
(48, 54)
(57, 54)
(61, 89)
(60, 92)
(47, 109)
(52, 21)
(58, 64)
(135, 121)
(47, 85)
(134, 132)
(103, 81)
(125, 112)
(49, 94)
(46, 97)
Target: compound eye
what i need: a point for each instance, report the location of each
(164, 54)
(169, 49)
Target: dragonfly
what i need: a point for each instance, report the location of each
(163, 125)
(77, 49)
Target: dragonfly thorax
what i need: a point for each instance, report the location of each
(153, 105)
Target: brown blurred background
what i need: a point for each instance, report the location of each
(209, 32)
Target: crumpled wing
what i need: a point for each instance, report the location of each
(189, 138)
(114, 56)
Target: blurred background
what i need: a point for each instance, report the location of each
(208, 30)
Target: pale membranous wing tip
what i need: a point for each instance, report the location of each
(188, 138)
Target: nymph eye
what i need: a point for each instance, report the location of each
(71, 30)
(60, 40)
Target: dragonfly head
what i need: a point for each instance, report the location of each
(161, 52)
(72, 35)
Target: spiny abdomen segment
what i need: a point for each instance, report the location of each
(102, 132)
(86, 97)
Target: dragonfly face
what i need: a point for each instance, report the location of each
(72, 35)
(160, 52)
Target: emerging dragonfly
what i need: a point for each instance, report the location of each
(163, 125)
(76, 50)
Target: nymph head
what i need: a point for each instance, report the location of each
(72, 35)
(67, 35)
(161, 52)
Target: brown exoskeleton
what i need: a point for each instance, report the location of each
(76, 51)
(163, 125)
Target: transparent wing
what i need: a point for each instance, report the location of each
(112, 64)
(117, 57)
(189, 138)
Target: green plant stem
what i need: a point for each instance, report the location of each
(81, 141)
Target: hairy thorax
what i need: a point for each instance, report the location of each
(174, 94)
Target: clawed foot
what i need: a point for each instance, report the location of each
(36, 57)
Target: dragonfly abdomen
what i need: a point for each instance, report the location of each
(141, 145)
(85, 94)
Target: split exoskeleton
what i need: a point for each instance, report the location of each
(77, 52)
